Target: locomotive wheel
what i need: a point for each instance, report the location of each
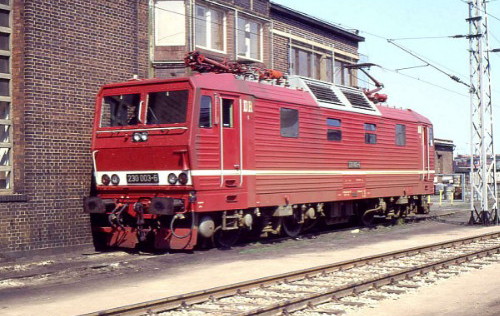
(368, 219)
(225, 239)
(291, 226)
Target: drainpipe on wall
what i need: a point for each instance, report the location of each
(236, 34)
(151, 38)
(190, 33)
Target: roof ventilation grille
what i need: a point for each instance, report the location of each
(323, 93)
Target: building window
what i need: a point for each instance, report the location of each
(289, 122)
(206, 111)
(344, 76)
(400, 135)
(333, 134)
(370, 138)
(249, 38)
(170, 23)
(308, 63)
(6, 155)
(209, 28)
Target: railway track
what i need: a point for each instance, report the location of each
(330, 289)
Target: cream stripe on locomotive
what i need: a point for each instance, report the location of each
(147, 176)
(304, 172)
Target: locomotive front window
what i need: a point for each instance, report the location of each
(167, 107)
(120, 110)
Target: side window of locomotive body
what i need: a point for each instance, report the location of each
(227, 113)
(400, 135)
(370, 136)
(289, 122)
(167, 107)
(334, 133)
(205, 112)
(120, 110)
(431, 136)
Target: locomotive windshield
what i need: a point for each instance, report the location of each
(168, 107)
(120, 110)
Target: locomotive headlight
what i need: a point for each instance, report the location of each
(136, 137)
(105, 179)
(115, 179)
(172, 178)
(140, 137)
(183, 178)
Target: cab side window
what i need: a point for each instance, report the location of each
(205, 111)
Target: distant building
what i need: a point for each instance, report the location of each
(444, 156)
(461, 163)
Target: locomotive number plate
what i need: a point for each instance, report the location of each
(143, 178)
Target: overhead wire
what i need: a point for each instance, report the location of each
(362, 31)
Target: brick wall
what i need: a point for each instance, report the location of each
(63, 51)
(308, 31)
(318, 35)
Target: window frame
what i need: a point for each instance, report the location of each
(284, 130)
(319, 62)
(146, 107)
(230, 114)
(370, 138)
(161, 37)
(248, 40)
(335, 126)
(208, 28)
(8, 145)
(400, 133)
(210, 112)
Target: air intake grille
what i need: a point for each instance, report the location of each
(323, 93)
(358, 100)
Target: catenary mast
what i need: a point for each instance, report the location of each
(484, 202)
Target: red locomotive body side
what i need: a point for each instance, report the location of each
(232, 154)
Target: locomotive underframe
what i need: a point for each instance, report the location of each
(132, 222)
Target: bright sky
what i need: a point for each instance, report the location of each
(445, 102)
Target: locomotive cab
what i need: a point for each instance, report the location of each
(142, 172)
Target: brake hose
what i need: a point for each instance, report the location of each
(179, 216)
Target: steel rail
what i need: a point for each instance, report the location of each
(183, 300)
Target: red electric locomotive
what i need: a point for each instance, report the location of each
(185, 160)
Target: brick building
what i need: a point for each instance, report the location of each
(444, 155)
(54, 55)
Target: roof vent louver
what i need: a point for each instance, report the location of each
(323, 93)
(358, 100)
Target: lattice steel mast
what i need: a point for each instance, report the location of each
(484, 202)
